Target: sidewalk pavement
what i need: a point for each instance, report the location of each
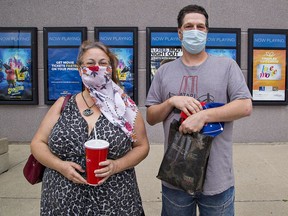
(261, 172)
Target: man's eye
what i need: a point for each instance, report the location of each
(188, 27)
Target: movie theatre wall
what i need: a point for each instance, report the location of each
(19, 122)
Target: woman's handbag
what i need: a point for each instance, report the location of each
(185, 160)
(33, 170)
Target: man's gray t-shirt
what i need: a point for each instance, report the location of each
(218, 78)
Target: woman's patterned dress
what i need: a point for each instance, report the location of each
(119, 195)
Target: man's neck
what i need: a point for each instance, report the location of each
(194, 60)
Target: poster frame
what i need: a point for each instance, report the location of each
(269, 47)
(114, 43)
(237, 46)
(34, 63)
(60, 30)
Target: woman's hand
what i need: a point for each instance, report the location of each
(109, 168)
(69, 170)
(139, 151)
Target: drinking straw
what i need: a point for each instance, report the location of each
(95, 134)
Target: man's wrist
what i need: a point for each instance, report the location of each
(205, 115)
(170, 102)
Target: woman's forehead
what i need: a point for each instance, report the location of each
(95, 53)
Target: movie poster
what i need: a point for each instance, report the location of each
(230, 53)
(63, 75)
(125, 69)
(123, 41)
(61, 47)
(224, 42)
(160, 56)
(269, 75)
(15, 74)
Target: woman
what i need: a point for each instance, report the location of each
(59, 143)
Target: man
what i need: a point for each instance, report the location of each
(181, 85)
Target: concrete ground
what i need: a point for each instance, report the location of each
(261, 172)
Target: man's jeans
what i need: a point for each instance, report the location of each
(180, 203)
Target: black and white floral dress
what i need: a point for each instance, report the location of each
(119, 195)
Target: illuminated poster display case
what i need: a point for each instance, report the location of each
(267, 66)
(61, 46)
(18, 66)
(123, 41)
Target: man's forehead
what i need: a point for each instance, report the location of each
(194, 17)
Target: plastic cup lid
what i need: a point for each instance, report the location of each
(96, 144)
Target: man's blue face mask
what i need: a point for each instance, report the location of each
(194, 41)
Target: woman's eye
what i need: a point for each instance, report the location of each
(90, 63)
(103, 64)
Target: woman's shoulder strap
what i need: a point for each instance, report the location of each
(67, 97)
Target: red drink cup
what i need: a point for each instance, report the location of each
(96, 152)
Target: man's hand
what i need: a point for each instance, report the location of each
(186, 104)
(194, 123)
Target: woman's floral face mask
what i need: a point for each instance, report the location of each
(96, 76)
(113, 102)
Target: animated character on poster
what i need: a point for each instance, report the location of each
(125, 68)
(10, 76)
(2, 77)
(128, 71)
(15, 76)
